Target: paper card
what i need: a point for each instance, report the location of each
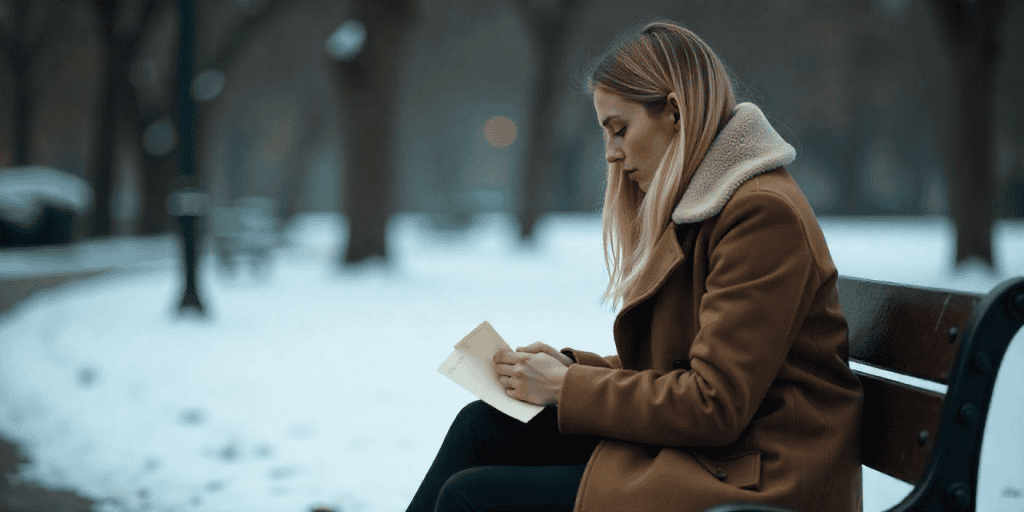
(469, 365)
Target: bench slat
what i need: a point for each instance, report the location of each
(906, 329)
(895, 414)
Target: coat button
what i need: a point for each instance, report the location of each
(678, 364)
(720, 474)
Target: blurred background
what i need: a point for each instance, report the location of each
(384, 135)
(863, 89)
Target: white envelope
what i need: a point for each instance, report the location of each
(470, 366)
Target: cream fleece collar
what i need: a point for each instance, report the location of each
(746, 146)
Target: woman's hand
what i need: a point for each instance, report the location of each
(539, 347)
(534, 378)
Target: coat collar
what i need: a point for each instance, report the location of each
(746, 146)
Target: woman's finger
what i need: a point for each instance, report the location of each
(504, 370)
(499, 356)
(507, 357)
(532, 348)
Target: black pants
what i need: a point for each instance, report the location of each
(492, 462)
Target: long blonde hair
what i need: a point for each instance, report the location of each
(663, 57)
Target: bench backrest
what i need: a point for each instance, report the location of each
(947, 337)
(910, 331)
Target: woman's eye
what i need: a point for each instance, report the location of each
(621, 132)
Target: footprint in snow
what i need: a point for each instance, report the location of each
(86, 376)
(194, 416)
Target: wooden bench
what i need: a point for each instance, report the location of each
(923, 437)
(247, 229)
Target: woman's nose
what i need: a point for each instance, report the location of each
(612, 153)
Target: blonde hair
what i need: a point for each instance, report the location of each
(663, 57)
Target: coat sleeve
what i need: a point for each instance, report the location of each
(762, 278)
(591, 359)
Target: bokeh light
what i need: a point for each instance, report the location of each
(208, 84)
(159, 138)
(347, 41)
(500, 131)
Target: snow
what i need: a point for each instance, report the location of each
(314, 387)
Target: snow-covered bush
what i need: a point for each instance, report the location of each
(38, 205)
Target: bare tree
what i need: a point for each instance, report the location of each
(296, 164)
(971, 32)
(548, 21)
(21, 47)
(255, 15)
(364, 53)
(135, 99)
(122, 31)
(144, 101)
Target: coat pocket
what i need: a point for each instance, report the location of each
(742, 470)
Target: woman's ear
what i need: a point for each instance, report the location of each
(673, 107)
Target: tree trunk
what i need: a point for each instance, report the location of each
(17, 50)
(22, 105)
(296, 167)
(550, 31)
(971, 33)
(118, 106)
(156, 177)
(366, 97)
(158, 171)
(535, 181)
(234, 44)
(103, 154)
(157, 185)
(102, 164)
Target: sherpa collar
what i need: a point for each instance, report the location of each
(746, 146)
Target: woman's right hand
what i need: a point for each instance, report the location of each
(538, 347)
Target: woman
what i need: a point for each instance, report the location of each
(731, 380)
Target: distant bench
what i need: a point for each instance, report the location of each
(248, 228)
(929, 440)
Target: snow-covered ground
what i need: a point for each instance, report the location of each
(314, 387)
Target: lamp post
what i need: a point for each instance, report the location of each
(188, 204)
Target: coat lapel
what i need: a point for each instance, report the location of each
(665, 257)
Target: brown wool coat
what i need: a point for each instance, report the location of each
(731, 380)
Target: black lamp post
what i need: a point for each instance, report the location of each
(188, 204)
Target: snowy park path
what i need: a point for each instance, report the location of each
(314, 387)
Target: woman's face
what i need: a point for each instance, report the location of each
(634, 140)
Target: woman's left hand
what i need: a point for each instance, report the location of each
(534, 378)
